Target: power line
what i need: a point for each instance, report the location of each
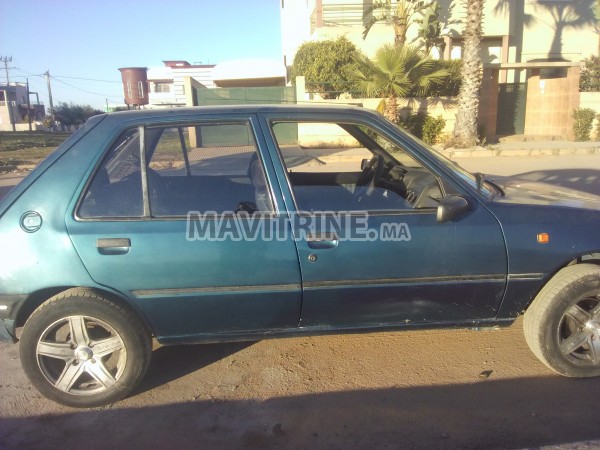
(86, 79)
(58, 79)
(83, 90)
(31, 74)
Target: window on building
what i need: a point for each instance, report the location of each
(162, 87)
(141, 89)
(129, 90)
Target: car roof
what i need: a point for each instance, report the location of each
(157, 113)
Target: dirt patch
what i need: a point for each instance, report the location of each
(420, 389)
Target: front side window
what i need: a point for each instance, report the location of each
(349, 167)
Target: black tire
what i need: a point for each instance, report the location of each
(562, 325)
(81, 349)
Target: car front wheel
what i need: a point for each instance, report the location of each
(81, 349)
(562, 325)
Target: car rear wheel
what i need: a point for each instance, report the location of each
(81, 349)
(562, 325)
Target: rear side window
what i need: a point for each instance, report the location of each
(116, 189)
(205, 167)
(211, 167)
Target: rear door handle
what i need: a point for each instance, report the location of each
(322, 240)
(113, 246)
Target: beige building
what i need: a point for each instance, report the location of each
(513, 30)
(166, 85)
(528, 47)
(14, 108)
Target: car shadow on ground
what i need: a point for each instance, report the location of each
(173, 362)
(511, 413)
(585, 180)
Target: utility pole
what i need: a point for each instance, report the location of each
(6, 60)
(28, 105)
(47, 75)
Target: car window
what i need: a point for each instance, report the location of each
(116, 189)
(207, 167)
(348, 167)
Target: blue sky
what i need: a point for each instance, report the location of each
(92, 39)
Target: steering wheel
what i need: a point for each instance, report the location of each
(371, 174)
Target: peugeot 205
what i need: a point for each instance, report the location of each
(221, 224)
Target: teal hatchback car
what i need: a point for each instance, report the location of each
(241, 223)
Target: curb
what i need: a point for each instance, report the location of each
(498, 152)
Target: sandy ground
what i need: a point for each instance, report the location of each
(419, 389)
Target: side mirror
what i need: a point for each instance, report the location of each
(364, 163)
(452, 207)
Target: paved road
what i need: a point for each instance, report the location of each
(7, 182)
(577, 172)
(419, 389)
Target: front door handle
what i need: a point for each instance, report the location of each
(322, 240)
(113, 246)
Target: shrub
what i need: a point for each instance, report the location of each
(451, 86)
(584, 119)
(411, 122)
(432, 128)
(422, 125)
(324, 65)
(590, 75)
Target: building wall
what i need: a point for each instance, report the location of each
(550, 103)
(17, 101)
(538, 29)
(177, 94)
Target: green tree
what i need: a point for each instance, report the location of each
(465, 127)
(430, 27)
(590, 75)
(323, 63)
(401, 14)
(395, 71)
(451, 86)
(70, 114)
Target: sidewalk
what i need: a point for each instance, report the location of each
(504, 149)
(542, 148)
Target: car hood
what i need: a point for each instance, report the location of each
(521, 191)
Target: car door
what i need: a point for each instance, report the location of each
(374, 253)
(147, 225)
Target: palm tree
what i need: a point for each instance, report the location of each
(401, 15)
(430, 27)
(597, 26)
(395, 71)
(465, 128)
